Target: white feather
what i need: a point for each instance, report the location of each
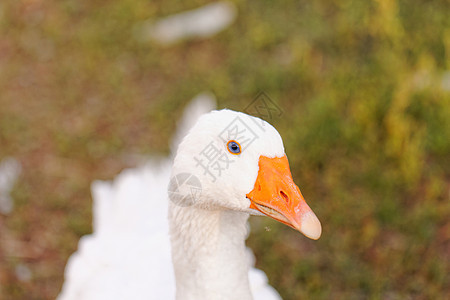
(128, 255)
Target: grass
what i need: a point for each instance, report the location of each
(366, 126)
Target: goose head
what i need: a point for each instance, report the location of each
(232, 161)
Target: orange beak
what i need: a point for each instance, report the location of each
(276, 195)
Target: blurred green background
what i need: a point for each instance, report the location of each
(364, 87)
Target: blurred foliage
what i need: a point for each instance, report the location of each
(364, 87)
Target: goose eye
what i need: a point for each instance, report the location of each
(234, 147)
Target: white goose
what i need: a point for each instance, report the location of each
(229, 166)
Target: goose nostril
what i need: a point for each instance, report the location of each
(286, 197)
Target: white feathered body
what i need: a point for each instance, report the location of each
(128, 255)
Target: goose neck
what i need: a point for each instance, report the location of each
(209, 253)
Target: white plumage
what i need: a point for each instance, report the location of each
(128, 255)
